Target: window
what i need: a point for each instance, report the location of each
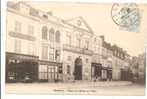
(79, 22)
(95, 40)
(95, 48)
(45, 16)
(115, 52)
(87, 44)
(86, 60)
(44, 52)
(43, 72)
(68, 39)
(51, 35)
(31, 49)
(69, 58)
(58, 36)
(57, 55)
(11, 61)
(33, 12)
(78, 42)
(51, 57)
(44, 32)
(51, 54)
(30, 29)
(68, 69)
(17, 46)
(17, 27)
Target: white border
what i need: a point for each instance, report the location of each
(3, 31)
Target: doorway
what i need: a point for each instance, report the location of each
(78, 69)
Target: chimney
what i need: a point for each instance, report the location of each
(50, 13)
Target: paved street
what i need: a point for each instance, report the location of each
(92, 88)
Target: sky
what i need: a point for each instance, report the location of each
(98, 17)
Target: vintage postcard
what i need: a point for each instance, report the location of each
(67, 48)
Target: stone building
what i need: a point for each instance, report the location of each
(21, 43)
(142, 67)
(43, 47)
(120, 62)
(110, 62)
(96, 65)
(77, 50)
(138, 67)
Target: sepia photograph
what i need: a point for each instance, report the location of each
(71, 48)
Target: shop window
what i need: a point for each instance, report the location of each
(68, 69)
(44, 32)
(12, 75)
(43, 72)
(60, 69)
(56, 69)
(57, 36)
(11, 61)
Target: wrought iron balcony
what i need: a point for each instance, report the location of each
(77, 49)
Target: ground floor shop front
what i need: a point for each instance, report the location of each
(100, 73)
(28, 68)
(21, 68)
(50, 71)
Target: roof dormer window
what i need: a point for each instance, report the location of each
(33, 12)
(45, 16)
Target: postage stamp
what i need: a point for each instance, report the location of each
(126, 16)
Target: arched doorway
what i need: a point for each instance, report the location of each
(78, 69)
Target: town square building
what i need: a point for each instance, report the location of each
(43, 47)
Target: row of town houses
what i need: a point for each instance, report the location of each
(48, 48)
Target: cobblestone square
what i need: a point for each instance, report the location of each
(78, 88)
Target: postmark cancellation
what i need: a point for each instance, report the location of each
(126, 16)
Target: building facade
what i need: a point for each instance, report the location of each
(120, 65)
(138, 68)
(43, 47)
(110, 62)
(55, 47)
(96, 65)
(77, 50)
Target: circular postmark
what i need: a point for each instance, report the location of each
(125, 15)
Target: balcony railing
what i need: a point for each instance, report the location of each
(22, 36)
(77, 49)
